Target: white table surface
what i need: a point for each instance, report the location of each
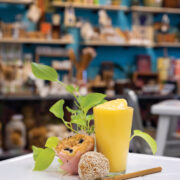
(168, 107)
(20, 168)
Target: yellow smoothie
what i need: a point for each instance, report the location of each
(113, 121)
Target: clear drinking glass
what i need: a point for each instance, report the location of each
(113, 129)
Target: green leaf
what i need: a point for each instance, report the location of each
(60, 162)
(78, 122)
(44, 159)
(103, 101)
(36, 152)
(92, 128)
(52, 142)
(78, 119)
(57, 109)
(91, 100)
(77, 89)
(73, 111)
(44, 72)
(147, 138)
(89, 117)
(70, 89)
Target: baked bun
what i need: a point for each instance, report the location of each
(70, 150)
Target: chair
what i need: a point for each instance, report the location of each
(137, 145)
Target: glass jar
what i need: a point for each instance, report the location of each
(15, 133)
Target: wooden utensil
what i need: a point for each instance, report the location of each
(135, 174)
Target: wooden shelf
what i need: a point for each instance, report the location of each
(35, 97)
(153, 97)
(25, 2)
(152, 45)
(155, 9)
(36, 41)
(89, 6)
(116, 8)
(170, 45)
(8, 155)
(53, 55)
(146, 73)
(108, 43)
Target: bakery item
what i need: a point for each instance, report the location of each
(93, 165)
(70, 149)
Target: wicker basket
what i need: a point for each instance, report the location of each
(172, 3)
(170, 37)
(116, 2)
(153, 3)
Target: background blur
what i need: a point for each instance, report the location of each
(126, 49)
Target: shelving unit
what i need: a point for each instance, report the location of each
(25, 2)
(37, 41)
(108, 43)
(63, 41)
(90, 6)
(155, 9)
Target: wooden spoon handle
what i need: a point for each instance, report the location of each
(135, 174)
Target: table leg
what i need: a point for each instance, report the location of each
(162, 131)
(173, 126)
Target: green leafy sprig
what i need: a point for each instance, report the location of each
(44, 157)
(79, 116)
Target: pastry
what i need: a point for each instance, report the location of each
(70, 149)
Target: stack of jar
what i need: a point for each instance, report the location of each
(163, 66)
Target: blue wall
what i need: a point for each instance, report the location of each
(121, 55)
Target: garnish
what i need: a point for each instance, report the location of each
(44, 157)
(147, 138)
(52, 142)
(83, 104)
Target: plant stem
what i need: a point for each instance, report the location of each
(87, 128)
(69, 127)
(132, 137)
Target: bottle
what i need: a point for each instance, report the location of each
(15, 133)
(56, 30)
(69, 17)
(165, 24)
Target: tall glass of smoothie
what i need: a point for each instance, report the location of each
(113, 121)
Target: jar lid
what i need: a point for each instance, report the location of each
(17, 117)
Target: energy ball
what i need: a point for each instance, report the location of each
(93, 165)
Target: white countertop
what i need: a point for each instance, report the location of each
(20, 168)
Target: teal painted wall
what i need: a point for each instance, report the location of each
(121, 55)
